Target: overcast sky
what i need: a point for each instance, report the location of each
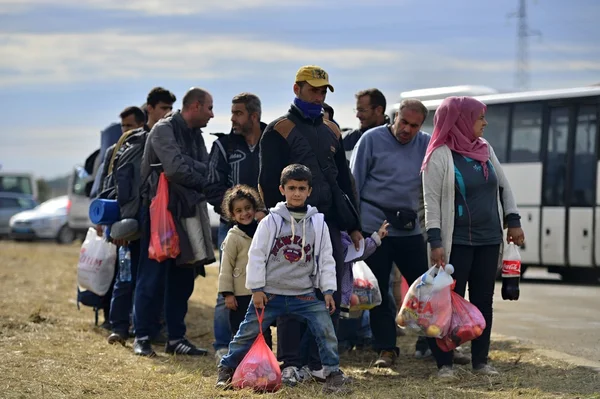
(68, 67)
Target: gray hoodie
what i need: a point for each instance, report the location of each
(291, 258)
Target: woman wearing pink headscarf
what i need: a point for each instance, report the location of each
(468, 201)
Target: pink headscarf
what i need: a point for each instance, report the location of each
(453, 126)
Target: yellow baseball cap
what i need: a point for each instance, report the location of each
(314, 76)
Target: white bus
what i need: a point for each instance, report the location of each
(547, 142)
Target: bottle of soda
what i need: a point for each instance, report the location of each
(124, 264)
(511, 272)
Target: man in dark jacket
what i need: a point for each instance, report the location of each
(174, 146)
(233, 160)
(303, 136)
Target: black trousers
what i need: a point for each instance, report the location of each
(410, 256)
(477, 266)
(236, 317)
(296, 346)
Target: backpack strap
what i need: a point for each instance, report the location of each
(122, 139)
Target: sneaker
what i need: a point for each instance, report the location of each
(290, 376)
(318, 375)
(461, 358)
(224, 377)
(116, 338)
(220, 353)
(143, 347)
(386, 359)
(485, 369)
(422, 348)
(305, 374)
(446, 372)
(106, 325)
(337, 383)
(422, 354)
(184, 347)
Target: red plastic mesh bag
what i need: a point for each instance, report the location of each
(467, 323)
(259, 369)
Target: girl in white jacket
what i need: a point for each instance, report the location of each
(240, 204)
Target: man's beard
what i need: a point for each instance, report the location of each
(243, 130)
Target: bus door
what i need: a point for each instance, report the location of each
(569, 184)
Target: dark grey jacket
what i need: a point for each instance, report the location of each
(178, 151)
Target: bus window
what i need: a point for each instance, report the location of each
(556, 159)
(496, 132)
(526, 133)
(584, 162)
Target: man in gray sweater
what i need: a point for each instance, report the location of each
(386, 166)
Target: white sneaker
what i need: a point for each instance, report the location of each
(317, 375)
(220, 353)
(290, 376)
(446, 373)
(486, 369)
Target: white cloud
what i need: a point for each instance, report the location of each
(153, 7)
(58, 58)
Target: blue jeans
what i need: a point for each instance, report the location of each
(306, 306)
(121, 304)
(222, 329)
(160, 284)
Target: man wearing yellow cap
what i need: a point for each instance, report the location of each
(303, 136)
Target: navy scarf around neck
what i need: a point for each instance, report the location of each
(313, 111)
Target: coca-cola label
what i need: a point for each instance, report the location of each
(511, 268)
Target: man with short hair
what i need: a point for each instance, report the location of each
(233, 160)
(158, 103)
(174, 146)
(386, 166)
(303, 136)
(370, 111)
(121, 294)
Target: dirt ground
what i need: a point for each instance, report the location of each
(49, 349)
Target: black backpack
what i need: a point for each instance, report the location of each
(123, 181)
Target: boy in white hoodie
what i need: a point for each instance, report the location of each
(289, 257)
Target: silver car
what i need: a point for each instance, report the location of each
(46, 221)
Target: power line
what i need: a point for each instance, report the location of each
(523, 34)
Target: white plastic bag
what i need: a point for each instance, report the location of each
(365, 289)
(426, 309)
(96, 267)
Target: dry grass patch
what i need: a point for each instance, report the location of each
(50, 350)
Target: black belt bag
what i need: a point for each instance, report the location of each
(401, 219)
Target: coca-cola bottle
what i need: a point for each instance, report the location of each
(511, 272)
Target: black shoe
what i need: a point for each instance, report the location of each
(224, 377)
(337, 383)
(184, 347)
(106, 325)
(116, 338)
(143, 347)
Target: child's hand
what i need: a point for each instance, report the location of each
(231, 302)
(259, 299)
(382, 232)
(330, 303)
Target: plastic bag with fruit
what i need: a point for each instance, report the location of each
(259, 369)
(467, 323)
(426, 308)
(365, 290)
